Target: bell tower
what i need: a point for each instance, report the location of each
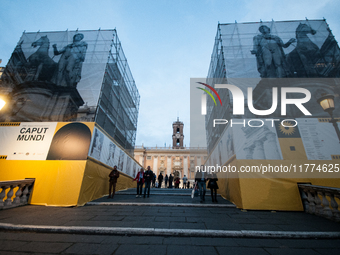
(177, 135)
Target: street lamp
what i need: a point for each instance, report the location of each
(327, 104)
(2, 103)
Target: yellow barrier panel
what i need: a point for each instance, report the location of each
(57, 182)
(257, 191)
(95, 183)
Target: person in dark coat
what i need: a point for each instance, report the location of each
(148, 176)
(171, 179)
(177, 182)
(114, 175)
(153, 180)
(200, 181)
(212, 185)
(160, 180)
(166, 179)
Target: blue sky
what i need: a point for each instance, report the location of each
(166, 42)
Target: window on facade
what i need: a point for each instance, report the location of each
(148, 157)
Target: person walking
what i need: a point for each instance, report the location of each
(177, 182)
(154, 180)
(166, 179)
(148, 175)
(171, 179)
(160, 180)
(200, 179)
(185, 179)
(114, 175)
(140, 182)
(212, 185)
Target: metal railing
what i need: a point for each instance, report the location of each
(23, 190)
(320, 200)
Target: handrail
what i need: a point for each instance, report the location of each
(316, 199)
(22, 193)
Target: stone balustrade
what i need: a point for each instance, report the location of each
(23, 189)
(320, 200)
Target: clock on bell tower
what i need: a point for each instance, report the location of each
(177, 136)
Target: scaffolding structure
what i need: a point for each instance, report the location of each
(271, 118)
(119, 99)
(73, 76)
(246, 54)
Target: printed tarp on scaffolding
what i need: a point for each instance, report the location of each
(263, 55)
(275, 49)
(73, 76)
(258, 57)
(70, 161)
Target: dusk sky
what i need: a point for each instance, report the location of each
(166, 42)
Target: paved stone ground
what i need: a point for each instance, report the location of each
(19, 239)
(161, 196)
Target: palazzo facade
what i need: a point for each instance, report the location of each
(177, 160)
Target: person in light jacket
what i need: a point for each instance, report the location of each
(140, 181)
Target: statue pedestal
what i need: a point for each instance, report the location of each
(42, 101)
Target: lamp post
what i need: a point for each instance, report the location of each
(2, 103)
(327, 104)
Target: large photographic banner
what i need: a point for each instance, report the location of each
(256, 143)
(263, 55)
(318, 136)
(103, 149)
(268, 146)
(53, 153)
(56, 155)
(52, 75)
(26, 140)
(45, 140)
(260, 111)
(279, 49)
